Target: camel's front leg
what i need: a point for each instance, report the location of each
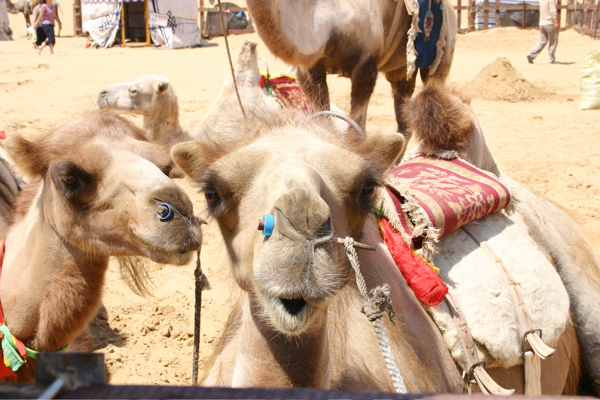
(403, 90)
(314, 84)
(363, 77)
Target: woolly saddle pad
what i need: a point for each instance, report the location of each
(482, 292)
(451, 192)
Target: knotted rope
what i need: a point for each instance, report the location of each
(373, 307)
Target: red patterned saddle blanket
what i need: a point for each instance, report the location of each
(427, 198)
(286, 91)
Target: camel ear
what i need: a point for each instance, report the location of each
(28, 156)
(383, 150)
(193, 157)
(162, 87)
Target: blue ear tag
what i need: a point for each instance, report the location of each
(269, 224)
(164, 211)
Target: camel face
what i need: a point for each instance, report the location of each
(102, 190)
(141, 96)
(316, 184)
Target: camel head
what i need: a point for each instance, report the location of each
(317, 183)
(144, 96)
(103, 190)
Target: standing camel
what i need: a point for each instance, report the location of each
(22, 6)
(450, 124)
(360, 38)
(96, 190)
(298, 321)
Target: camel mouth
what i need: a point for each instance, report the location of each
(293, 306)
(289, 316)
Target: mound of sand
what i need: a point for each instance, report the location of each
(500, 81)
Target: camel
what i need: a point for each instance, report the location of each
(153, 97)
(359, 39)
(23, 6)
(553, 230)
(97, 189)
(297, 320)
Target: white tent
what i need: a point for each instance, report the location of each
(173, 23)
(5, 31)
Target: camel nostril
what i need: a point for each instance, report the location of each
(293, 306)
(325, 231)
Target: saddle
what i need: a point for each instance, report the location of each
(492, 293)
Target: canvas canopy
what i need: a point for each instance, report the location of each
(172, 22)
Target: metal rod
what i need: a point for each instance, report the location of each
(230, 62)
(53, 389)
(198, 310)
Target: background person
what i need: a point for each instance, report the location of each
(48, 14)
(40, 36)
(549, 25)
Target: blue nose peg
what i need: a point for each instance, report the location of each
(267, 224)
(164, 211)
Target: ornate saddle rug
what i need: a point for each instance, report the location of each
(286, 91)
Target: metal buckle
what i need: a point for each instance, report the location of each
(524, 340)
(472, 368)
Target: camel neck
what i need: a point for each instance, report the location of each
(48, 287)
(162, 125)
(274, 362)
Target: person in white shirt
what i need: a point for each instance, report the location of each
(549, 26)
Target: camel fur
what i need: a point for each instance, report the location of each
(297, 320)
(93, 192)
(358, 38)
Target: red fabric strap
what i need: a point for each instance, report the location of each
(425, 283)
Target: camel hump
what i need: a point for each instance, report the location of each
(440, 118)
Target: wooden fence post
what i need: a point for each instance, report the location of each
(523, 16)
(486, 14)
(458, 21)
(497, 14)
(77, 31)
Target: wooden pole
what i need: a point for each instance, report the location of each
(458, 13)
(523, 16)
(147, 22)
(486, 14)
(559, 6)
(497, 15)
(202, 21)
(596, 19)
(77, 18)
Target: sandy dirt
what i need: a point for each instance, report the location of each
(545, 142)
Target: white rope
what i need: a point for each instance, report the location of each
(373, 308)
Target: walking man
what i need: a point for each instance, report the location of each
(548, 31)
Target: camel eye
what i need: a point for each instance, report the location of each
(70, 180)
(368, 191)
(212, 197)
(133, 91)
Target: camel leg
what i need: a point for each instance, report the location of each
(403, 90)
(314, 84)
(363, 77)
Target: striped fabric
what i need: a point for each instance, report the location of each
(451, 192)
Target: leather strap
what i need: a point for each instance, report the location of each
(531, 363)
(476, 367)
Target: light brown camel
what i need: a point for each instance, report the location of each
(153, 97)
(359, 38)
(298, 320)
(21, 6)
(95, 191)
(450, 123)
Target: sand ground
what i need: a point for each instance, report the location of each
(548, 144)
